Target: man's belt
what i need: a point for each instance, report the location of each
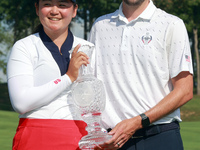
(154, 129)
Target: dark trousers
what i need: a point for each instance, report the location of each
(168, 140)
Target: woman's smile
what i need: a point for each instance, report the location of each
(54, 19)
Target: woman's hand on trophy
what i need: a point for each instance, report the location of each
(77, 60)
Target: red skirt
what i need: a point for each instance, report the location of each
(48, 134)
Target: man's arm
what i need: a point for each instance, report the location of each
(181, 94)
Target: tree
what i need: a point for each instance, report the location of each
(89, 10)
(17, 20)
(20, 16)
(5, 44)
(189, 11)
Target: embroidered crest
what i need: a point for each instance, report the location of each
(146, 39)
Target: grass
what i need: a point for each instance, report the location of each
(190, 127)
(191, 110)
(190, 132)
(8, 125)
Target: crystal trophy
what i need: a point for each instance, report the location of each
(89, 97)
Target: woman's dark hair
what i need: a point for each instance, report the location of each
(38, 28)
(37, 2)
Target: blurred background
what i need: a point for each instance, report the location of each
(18, 19)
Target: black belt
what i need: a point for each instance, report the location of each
(154, 129)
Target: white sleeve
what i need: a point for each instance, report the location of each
(91, 37)
(25, 97)
(180, 58)
(24, 94)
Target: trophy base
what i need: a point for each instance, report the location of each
(89, 142)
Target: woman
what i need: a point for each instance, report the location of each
(40, 73)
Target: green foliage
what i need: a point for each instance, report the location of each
(17, 20)
(97, 8)
(19, 15)
(4, 98)
(189, 11)
(5, 44)
(90, 10)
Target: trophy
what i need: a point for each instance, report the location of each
(89, 97)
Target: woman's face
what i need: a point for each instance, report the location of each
(56, 15)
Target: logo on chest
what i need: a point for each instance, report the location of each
(146, 39)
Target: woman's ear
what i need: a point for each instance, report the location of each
(37, 9)
(75, 11)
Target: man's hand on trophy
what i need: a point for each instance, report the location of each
(106, 146)
(77, 60)
(121, 133)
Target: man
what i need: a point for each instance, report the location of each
(143, 57)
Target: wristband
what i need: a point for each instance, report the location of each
(145, 120)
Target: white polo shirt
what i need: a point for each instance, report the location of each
(136, 61)
(36, 87)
